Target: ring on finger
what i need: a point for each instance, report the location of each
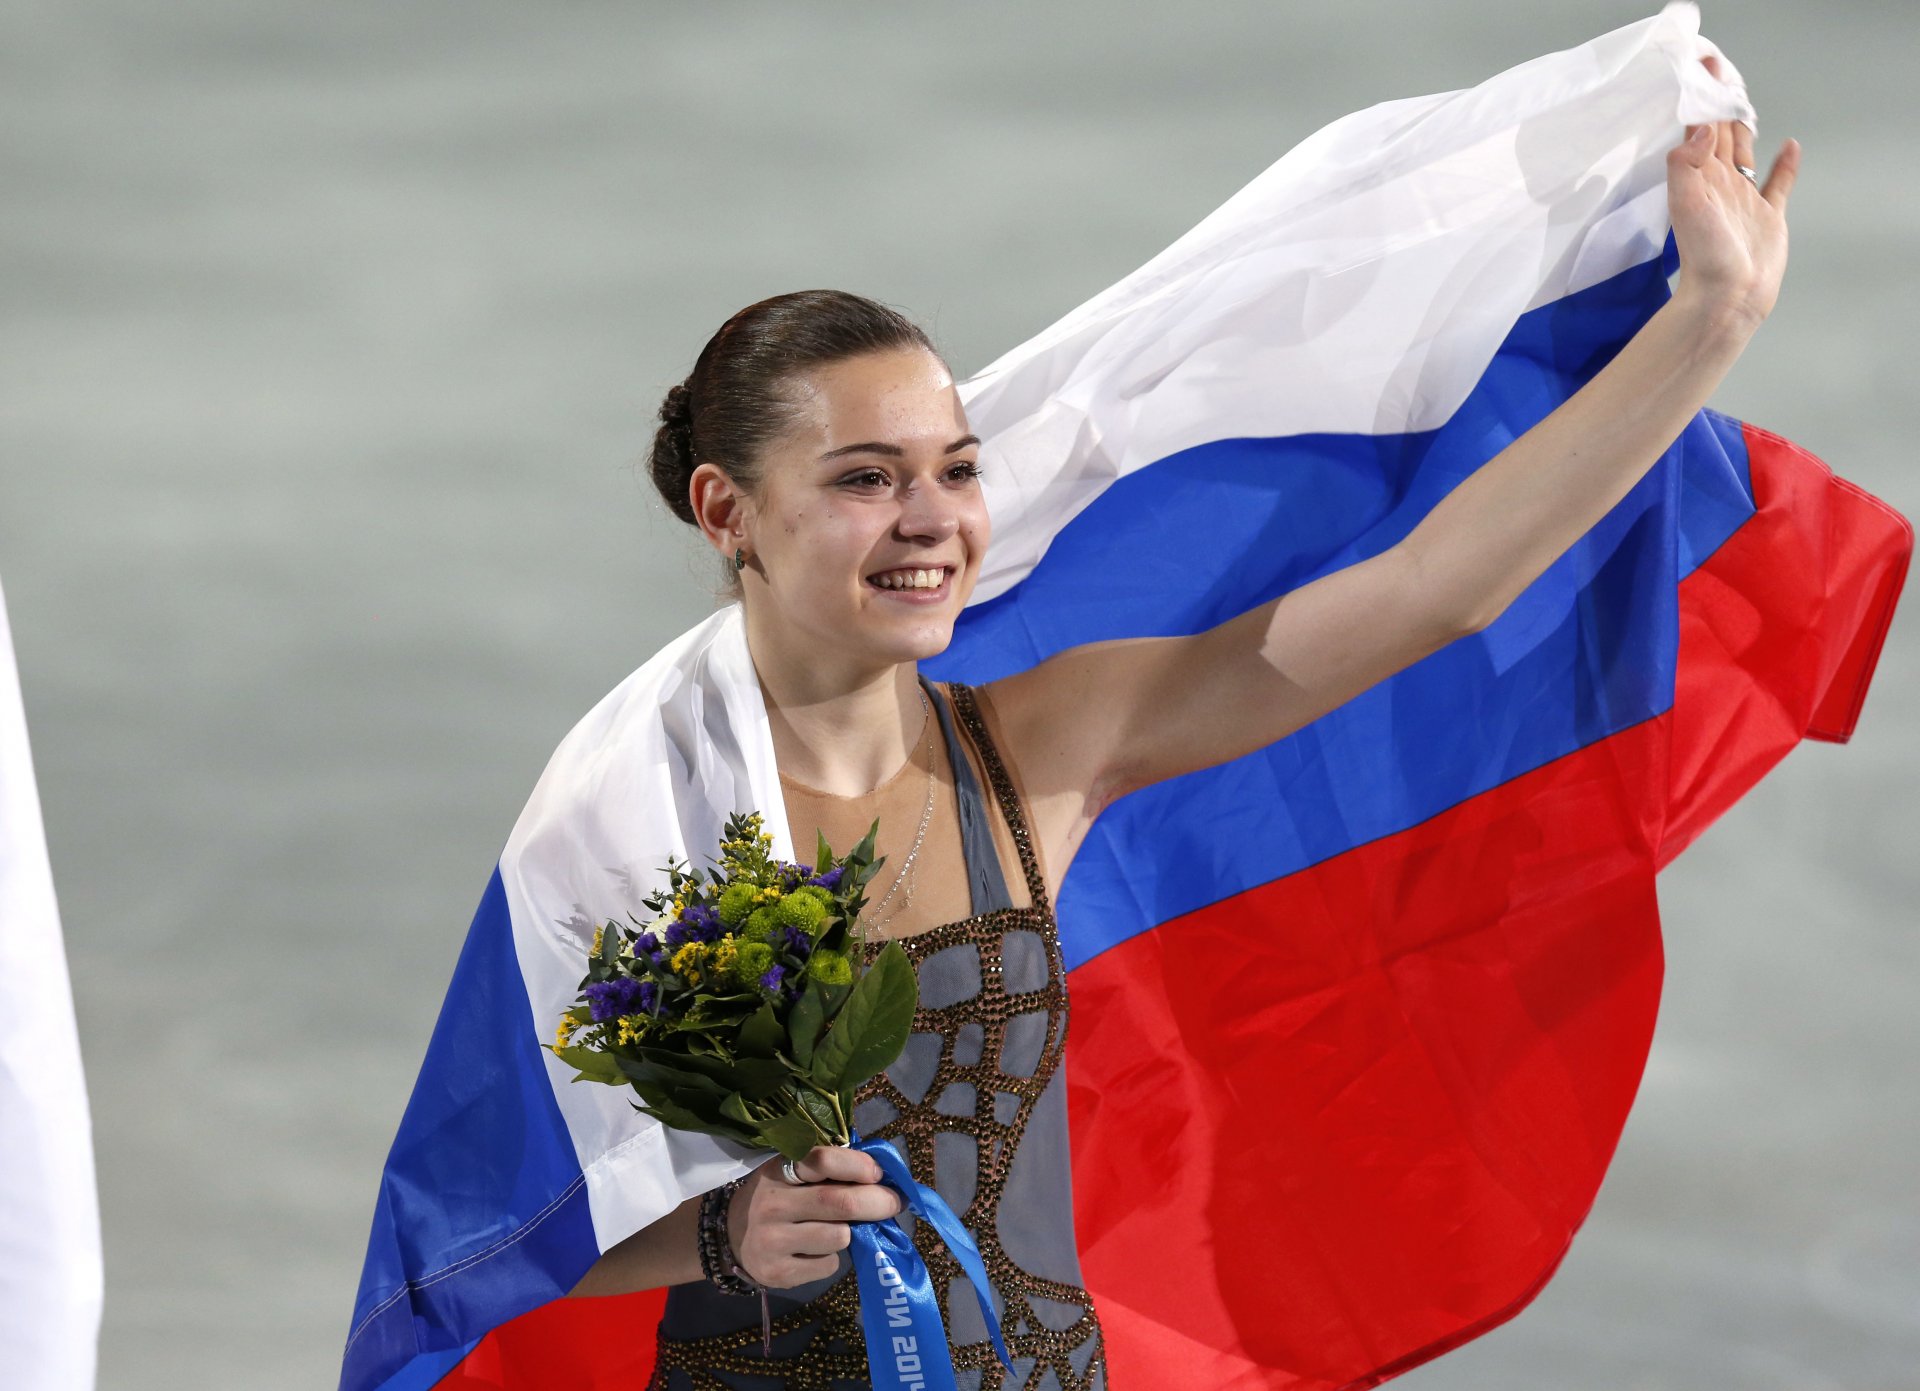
(788, 1173)
(1752, 177)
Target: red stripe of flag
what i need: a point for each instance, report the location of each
(1327, 1129)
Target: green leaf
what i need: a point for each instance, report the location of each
(755, 1077)
(720, 1011)
(872, 1026)
(804, 1024)
(862, 851)
(823, 858)
(762, 1035)
(831, 933)
(685, 1083)
(820, 1112)
(762, 1077)
(789, 1133)
(834, 996)
(861, 866)
(663, 1110)
(592, 1064)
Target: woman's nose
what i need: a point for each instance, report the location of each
(924, 512)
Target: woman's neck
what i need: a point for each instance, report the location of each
(837, 729)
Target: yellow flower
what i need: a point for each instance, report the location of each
(596, 941)
(564, 1036)
(690, 961)
(631, 1029)
(720, 960)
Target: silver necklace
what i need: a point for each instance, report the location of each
(867, 923)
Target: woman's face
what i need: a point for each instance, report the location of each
(868, 527)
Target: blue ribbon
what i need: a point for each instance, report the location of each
(899, 1309)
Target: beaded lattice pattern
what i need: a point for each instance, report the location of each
(834, 1350)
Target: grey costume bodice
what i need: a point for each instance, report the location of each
(977, 1104)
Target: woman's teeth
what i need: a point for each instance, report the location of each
(911, 579)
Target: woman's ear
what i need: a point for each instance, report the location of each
(719, 506)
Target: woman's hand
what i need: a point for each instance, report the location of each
(1732, 236)
(785, 1235)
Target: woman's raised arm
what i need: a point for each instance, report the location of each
(1094, 722)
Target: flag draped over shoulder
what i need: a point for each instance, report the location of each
(50, 1264)
(1376, 1137)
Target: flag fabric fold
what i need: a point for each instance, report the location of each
(1378, 1135)
(50, 1263)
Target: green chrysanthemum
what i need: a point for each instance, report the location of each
(799, 909)
(759, 925)
(736, 903)
(751, 961)
(830, 968)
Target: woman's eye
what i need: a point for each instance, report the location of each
(964, 472)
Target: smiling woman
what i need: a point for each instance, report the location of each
(840, 475)
(838, 470)
(1358, 1010)
(819, 444)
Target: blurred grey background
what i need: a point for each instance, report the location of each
(330, 335)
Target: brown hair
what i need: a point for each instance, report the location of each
(736, 401)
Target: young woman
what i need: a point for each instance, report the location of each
(819, 445)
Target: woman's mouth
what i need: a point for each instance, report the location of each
(914, 585)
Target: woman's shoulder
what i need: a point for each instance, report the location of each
(1027, 724)
(1055, 724)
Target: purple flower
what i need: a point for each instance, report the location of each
(796, 941)
(646, 943)
(609, 999)
(648, 997)
(697, 923)
(770, 979)
(828, 881)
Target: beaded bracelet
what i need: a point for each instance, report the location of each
(716, 1250)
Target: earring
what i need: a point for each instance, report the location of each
(739, 558)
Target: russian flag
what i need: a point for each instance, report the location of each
(1373, 1137)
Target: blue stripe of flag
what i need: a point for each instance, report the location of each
(482, 1212)
(1194, 539)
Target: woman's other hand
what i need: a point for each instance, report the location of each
(785, 1234)
(1731, 235)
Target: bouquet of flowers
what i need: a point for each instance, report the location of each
(739, 1010)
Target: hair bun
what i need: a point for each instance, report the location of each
(677, 409)
(746, 377)
(672, 461)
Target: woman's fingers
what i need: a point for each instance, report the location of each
(787, 1271)
(838, 1202)
(1742, 144)
(839, 1164)
(820, 1238)
(1722, 137)
(842, 1185)
(1732, 140)
(793, 1232)
(1786, 168)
